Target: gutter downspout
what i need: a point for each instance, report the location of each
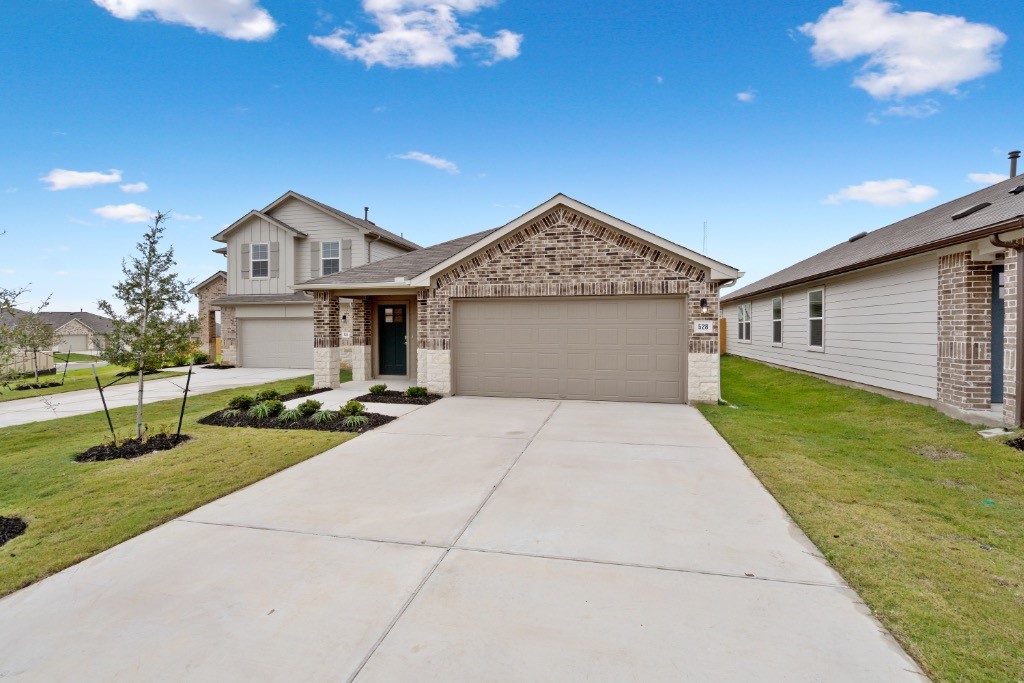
(1018, 404)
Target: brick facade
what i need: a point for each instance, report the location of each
(1010, 338)
(965, 332)
(207, 315)
(76, 328)
(228, 336)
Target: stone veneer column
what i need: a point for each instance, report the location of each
(703, 371)
(1010, 339)
(345, 311)
(326, 341)
(362, 360)
(965, 334)
(228, 336)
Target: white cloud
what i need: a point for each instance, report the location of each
(420, 33)
(747, 96)
(921, 110)
(430, 160)
(7, 271)
(907, 53)
(986, 179)
(134, 188)
(660, 80)
(234, 19)
(892, 192)
(185, 217)
(63, 179)
(126, 213)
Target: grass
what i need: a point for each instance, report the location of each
(74, 358)
(77, 510)
(923, 517)
(75, 380)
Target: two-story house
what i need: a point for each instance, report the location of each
(263, 320)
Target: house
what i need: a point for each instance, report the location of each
(213, 287)
(924, 309)
(265, 321)
(79, 332)
(565, 301)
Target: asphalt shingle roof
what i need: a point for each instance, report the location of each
(934, 226)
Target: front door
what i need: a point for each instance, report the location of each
(998, 316)
(391, 331)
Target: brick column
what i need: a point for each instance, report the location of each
(1010, 338)
(326, 341)
(965, 332)
(362, 361)
(703, 371)
(228, 336)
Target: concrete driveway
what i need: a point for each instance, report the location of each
(474, 539)
(39, 409)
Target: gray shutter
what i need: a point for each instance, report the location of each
(245, 261)
(275, 259)
(314, 259)
(346, 254)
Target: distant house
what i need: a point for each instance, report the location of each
(79, 332)
(925, 308)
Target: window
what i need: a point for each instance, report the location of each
(777, 320)
(394, 315)
(260, 260)
(330, 256)
(816, 319)
(744, 322)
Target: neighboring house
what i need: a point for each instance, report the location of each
(79, 332)
(563, 302)
(265, 321)
(925, 308)
(213, 287)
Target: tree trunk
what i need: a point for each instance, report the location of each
(35, 365)
(142, 370)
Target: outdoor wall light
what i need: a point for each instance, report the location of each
(344, 317)
(704, 306)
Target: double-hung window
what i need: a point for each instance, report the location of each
(777, 320)
(261, 260)
(744, 322)
(816, 319)
(330, 257)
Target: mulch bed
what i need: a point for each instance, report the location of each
(131, 448)
(217, 366)
(398, 397)
(11, 527)
(41, 385)
(303, 394)
(1017, 443)
(218, 419)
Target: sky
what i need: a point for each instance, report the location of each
(786, 127)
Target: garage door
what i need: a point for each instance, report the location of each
(276, 342)
(77, 343)
(605, 349)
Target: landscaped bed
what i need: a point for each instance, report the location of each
(411, 396)
(923, 517)
(266, 410)
(335, 424)
(128, 449)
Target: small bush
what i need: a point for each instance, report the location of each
(200, 358)
(302, 388)
(265, 409)
(275, 405)
(309, 407)
(355, 421)
(232, 412)
(353, 407)
(321, 416)
(241, 402)
(378, 389)
(416, 392)
(290, 415)
(267, 395)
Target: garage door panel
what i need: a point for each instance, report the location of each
(617, 349)
(276, 342)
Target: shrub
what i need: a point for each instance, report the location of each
(355, 421)
(232, 412)
(267, 395)
(200, 358)
(265, 409)
(241, 402)
(275, 406)
(378, 389)
(302, 388)
(416, 392)
(309, 407)
(353, 407)
(321, 416)
(290, 415)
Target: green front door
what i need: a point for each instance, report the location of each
(391, 331)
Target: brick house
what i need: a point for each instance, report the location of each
(924, 309)
(211, 317)
(563, 302)
(79, 332)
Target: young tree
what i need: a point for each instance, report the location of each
(34, 335)
(8, 343)
(153, 323)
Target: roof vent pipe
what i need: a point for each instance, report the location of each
(366, 212)
(1013, 163)
(858, 236)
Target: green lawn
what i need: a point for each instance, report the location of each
(76, 510)
(75, 380)
(74, 358)
(923, 517)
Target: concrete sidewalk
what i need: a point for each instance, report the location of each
(125, 393)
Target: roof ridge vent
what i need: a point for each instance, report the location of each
(974, 209)
(859, 235)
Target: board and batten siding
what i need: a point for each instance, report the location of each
(258, 231)
(321, 227)
(880, 327)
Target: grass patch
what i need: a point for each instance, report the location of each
(74, 358)
(924, 518)
(76, 510)
(75, 380)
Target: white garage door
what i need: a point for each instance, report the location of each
(78, 343)
(276, 342)
(593, 348)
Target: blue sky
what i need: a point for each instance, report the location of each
(665, 114)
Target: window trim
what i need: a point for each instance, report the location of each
(324, 259)
(810, 347)
(748, 307)
(253, 261)
(777, 320)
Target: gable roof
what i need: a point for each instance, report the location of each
(218, 274)
(368, 226)
(932, 229)
(97, 323)
(220, 236)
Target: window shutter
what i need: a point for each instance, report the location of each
(245, 261)
(314, 259)
(346, 254)
(275, 259)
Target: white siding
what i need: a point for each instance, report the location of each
(881, 327)
(258, 230)
(320, 227)
(380, 250)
